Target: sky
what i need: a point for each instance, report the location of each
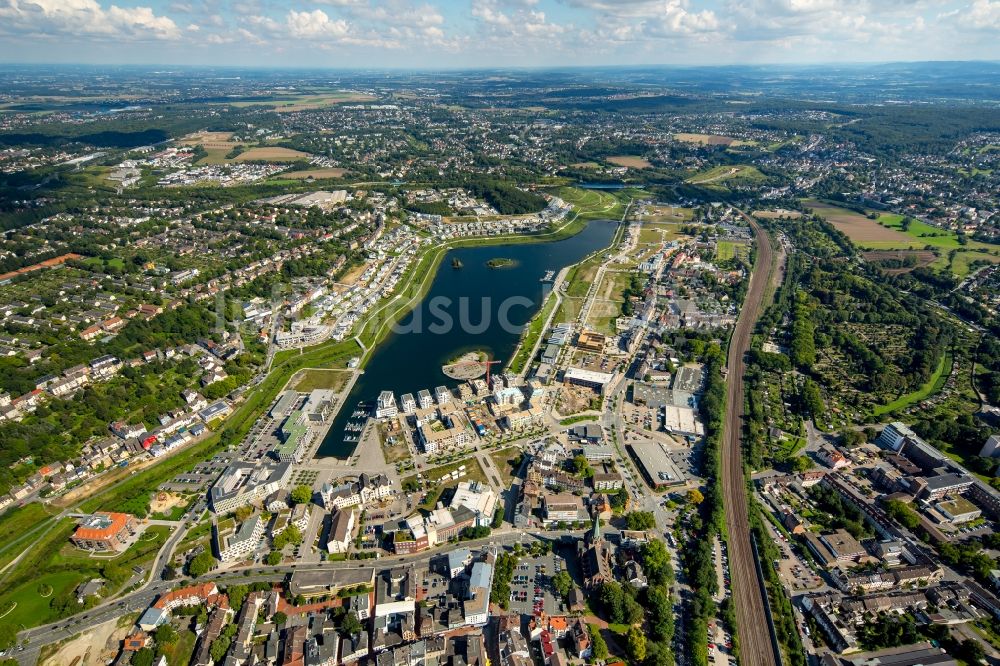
(495, 33)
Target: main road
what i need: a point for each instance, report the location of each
(756, 648)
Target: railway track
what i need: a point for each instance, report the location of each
(756, 646)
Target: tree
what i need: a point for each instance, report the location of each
(600, 649)
(620, 499)
(640, 520)
(656, 562)
(802, 463)
(631, 610)
(812, 400)
(903, 514)
(144, 657)
(581, 467)
(695, 497)
(279, 618)
(273, 558)
(166, 635)
(562, 583)
(219, 648)
(237, 594)
(201, 564)
(351, 626)
(635, 645)
(302, 494)
(612, 601)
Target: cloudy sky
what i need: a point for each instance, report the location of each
(471, 33)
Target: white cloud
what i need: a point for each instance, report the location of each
(316, 24)
(980, 15)
(516, 23)
(84, 18)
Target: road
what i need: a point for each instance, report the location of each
(141, 599)
(755, 642)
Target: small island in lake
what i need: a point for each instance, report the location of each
(456, 263)
(501, 262)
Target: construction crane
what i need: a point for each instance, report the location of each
(488, 364)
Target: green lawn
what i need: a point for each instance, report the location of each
(721, 174)
(729, 250)
(961, 264)
(531, 334)
(322, 378)
(32, 608)
(179, 653)
(19, 524)
(932, 385)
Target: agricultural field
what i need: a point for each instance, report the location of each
(270, 154)
(887, 233)
(218, 145)
(315, 174)
(886, 259)
(709, 139)
(311, 379)
(306, 103)
(630, 161)
(779, 214)
(721, 174)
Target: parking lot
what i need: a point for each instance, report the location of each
(794, 572)
(531, 589)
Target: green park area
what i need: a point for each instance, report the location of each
(930, 387)
(41, 586)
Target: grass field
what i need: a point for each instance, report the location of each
(503, 459)
(316, 174)
(931, 386)
(709, 139)
(721, 174)
(655, 214)
(960, 265)
(656, 233)
(19, 525)
(473, 472)
(311, 379)
(305, 102)
(630, 161)
(730, 250)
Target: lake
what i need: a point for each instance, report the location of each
(475, 295)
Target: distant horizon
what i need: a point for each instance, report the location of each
(462, 34)
(487, 68)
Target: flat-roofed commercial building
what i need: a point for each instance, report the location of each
(656, 465)
(587, 378)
